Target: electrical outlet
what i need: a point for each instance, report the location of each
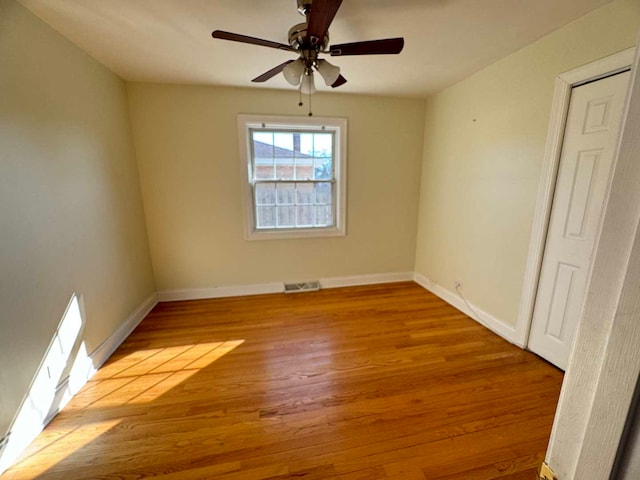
(458, 284)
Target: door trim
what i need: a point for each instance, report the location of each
(598, 387)
(604, 67)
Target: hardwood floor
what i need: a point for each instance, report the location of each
(378, 382)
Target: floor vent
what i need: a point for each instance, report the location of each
(301, 287)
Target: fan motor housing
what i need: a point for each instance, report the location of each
(297, 36)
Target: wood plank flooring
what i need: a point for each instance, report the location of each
(376, 382)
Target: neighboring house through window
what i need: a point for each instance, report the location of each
(294, 176)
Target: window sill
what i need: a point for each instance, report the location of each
(295, 233)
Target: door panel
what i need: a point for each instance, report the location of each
(581, 194)
(582, 186)
(561, 292)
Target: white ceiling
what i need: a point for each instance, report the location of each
(170, 40)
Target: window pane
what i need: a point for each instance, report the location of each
(263, 137)
(263, 146)
(264, 171)
(265, 194)
(304, 193)
(286, 216)
(324, 193)
(262, 150)
(265, 217)
(284, 168)
(263, 155)
(322, 169)
(306, 143)
(285, 194)
(323, 145)
(305, 216)
(324, 216)
(304, 169)
(283, 142)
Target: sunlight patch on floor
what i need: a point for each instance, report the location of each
(137, 379)
(144, 375)
(64, 445)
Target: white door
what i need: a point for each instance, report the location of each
(582, 186)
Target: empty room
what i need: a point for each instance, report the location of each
(319, 239)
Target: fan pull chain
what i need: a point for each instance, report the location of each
(300, 104)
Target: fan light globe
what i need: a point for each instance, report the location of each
(307, 87)
(329, 73)
(293, 72)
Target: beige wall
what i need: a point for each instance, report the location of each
(71, 217)
(187, 145)
(483, 148)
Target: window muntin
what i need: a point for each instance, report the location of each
(296, 176)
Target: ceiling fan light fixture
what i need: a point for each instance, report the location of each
(294, 71)
(329, 72)
(309, 39)
(307, 87)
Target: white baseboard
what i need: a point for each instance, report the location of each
(102, 353)
(371, 279)
(506, 331)
(220, 292)
(278, 287)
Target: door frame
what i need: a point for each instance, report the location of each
(599, 385)
(616, 63)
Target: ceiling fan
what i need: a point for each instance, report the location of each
(310, 39)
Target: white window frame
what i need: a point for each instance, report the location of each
(339, 127)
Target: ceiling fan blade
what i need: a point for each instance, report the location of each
(320, 17)
(272, 73)
(340, 81)
(235, 37)
(387, 46)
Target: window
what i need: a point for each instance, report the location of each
(294, 176)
